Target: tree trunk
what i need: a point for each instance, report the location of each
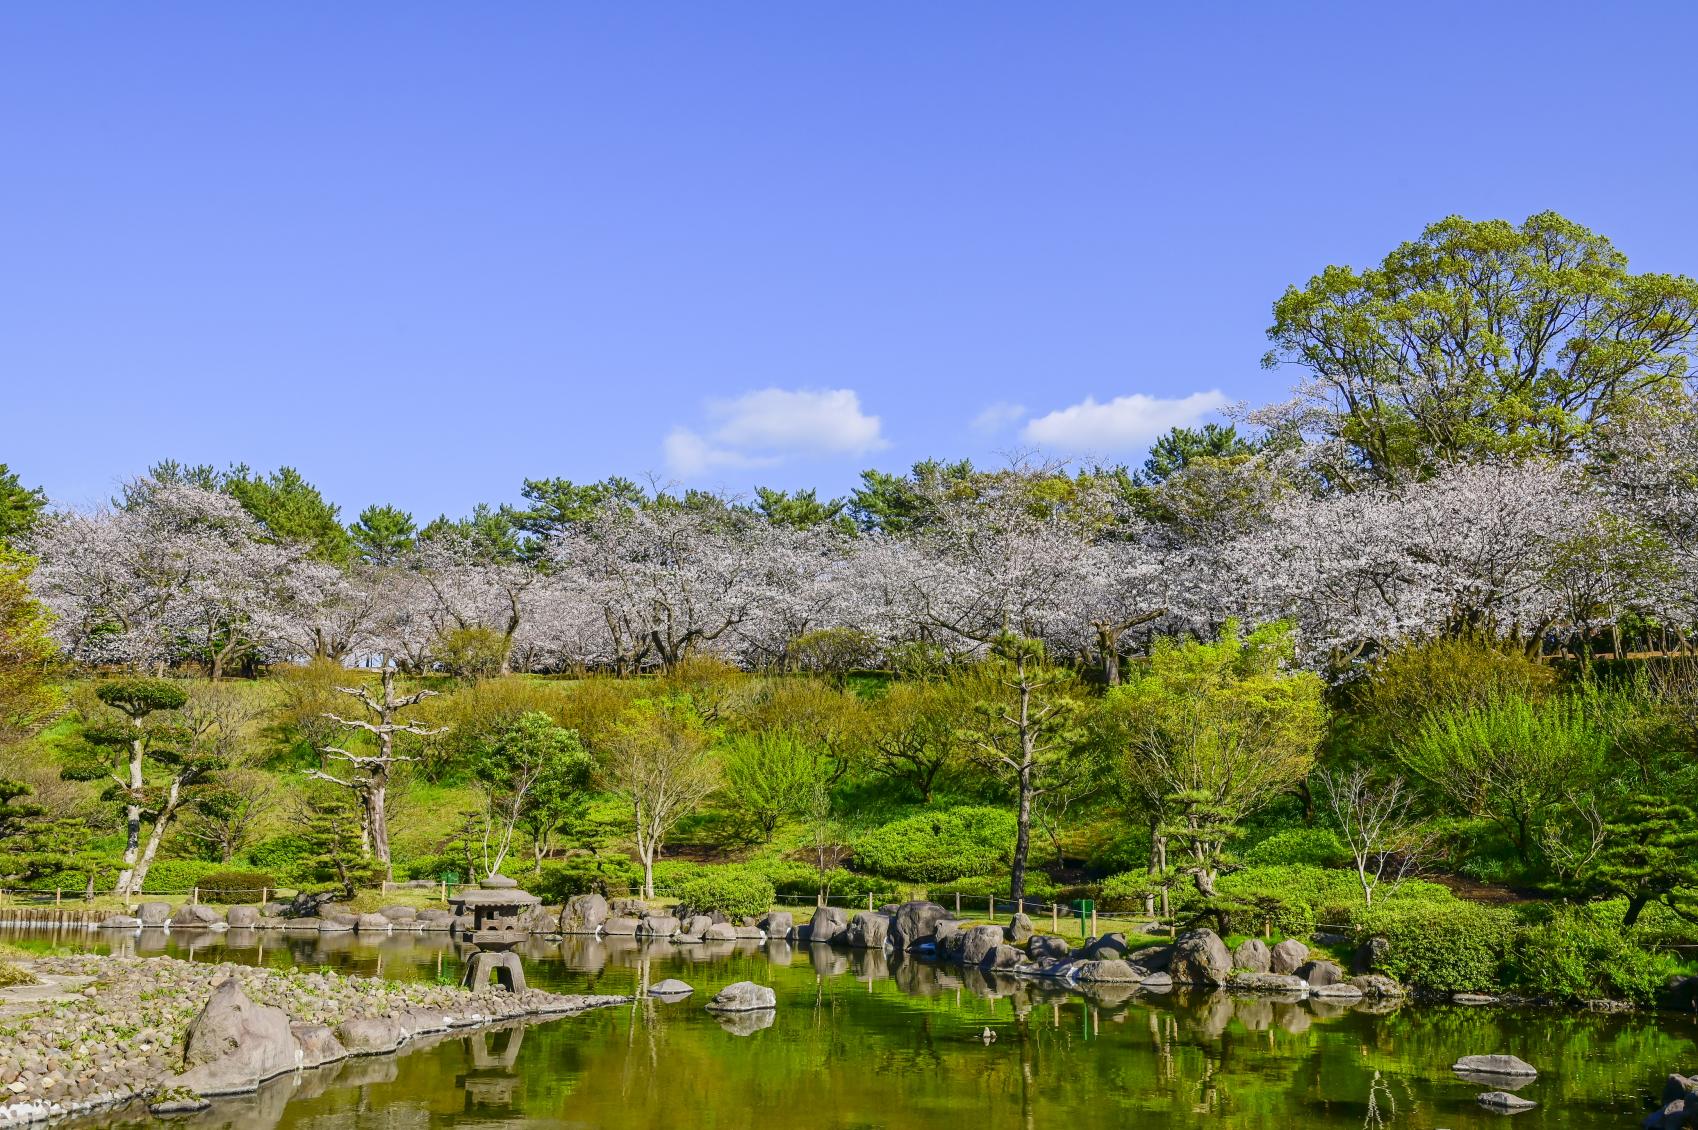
(1108, 646)
(166, 811)
(379, 824)
(1022, 836)
(1635, 906)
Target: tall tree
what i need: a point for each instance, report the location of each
(1478, 340)
(1211, 733)
(370, 772)
(20, 506)
(290, 509)
(657, 762)
(1180, 447)
(26, 647)
(137, 700)
(383, 535)
(1026, 720)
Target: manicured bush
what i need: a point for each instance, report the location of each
(853, 889)
(734, 891)
(235, 886)
(1039, 887)
(1310, 847)
(1575, 955)
(950, 843)
(1444, 947)
(178, 876)
(283, 856)
(603, 874)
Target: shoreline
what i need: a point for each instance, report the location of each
(120, 1035)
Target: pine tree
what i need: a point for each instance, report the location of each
(1650, 851)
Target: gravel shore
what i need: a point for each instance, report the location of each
(121, 1035)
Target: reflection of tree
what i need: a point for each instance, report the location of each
(1375, 1117)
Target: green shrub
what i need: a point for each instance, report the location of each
(178, 876)
(853, 888)
(1039, 887)
(1127, 852)
(235, 886)
(283, 856)
(734, 891)
(939, 846)
(1444, 947)
(602, 874)
(1575, 955)
(1310, 847)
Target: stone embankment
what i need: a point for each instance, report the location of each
(172, 1033)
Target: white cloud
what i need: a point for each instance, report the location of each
(1126, 422)
(997, 416)
(760, 428)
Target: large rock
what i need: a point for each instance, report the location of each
(1369, 955)
(583, 914)
(120, 922)
(829, 924)
(777, 924)
(749, 933)
(627, 908)
(318, 1044)
(1320, 973)
(1040, 947)
(720, 932)
(435, 919)
(242, 917)
(198, 917)
(1200, 958)
(1252, 956)
(369, 1035)
(869, 930)
(1268, 983)
(1153, 958)
(658, 926)
(1504, 1101)
(671, 987)
(1003, 956)
(1109, 946)
(1287, 956)
(399, 914)
(1378, 986)
(696, 926)
(1019, 929)
(1109, 971)
(234, 1044)
(154, 913)
(744, 996)
(621, 926)
(978, 943)
(372, 924)
(915, 924)
(1508, 1065)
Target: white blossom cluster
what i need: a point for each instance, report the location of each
(1532, 552)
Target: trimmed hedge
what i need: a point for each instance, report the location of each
(734, 891)
(1309, 847)
(178, 876)
(232, 886)
(1444, 947)
(585, 874)
(937, 847)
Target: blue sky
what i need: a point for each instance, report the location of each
(422, 251)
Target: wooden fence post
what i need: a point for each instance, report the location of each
(957, 904)
(58, 894)
(194, 896)
(1054, 918)
(1094, 933)
(990, 902)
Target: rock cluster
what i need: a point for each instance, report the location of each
(167, 1030)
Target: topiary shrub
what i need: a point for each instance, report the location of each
(608, 875)
(1443, 947)
(178, 876)
(939, 846)
(734, 891)
(235, 886)
(1309, 847)
(1573, 955)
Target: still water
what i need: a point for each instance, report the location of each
(868, 1040)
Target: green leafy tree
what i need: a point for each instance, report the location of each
(771, 776)
(1478, 340)
(558, 505)
(1025, 721)
(1181, 447)
(138, 739)
(336, 858)
(528, 772)
(27, 651)
(382, 535)
(1649, 854)
(1210, 733)
(899, 504)
(914, 735)
(657, 762)
(802, 510)
(1516, 761)
(290, 509)
(20, 506)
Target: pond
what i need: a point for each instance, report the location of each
(869, 1040)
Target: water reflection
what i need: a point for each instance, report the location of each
(864, 1038)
